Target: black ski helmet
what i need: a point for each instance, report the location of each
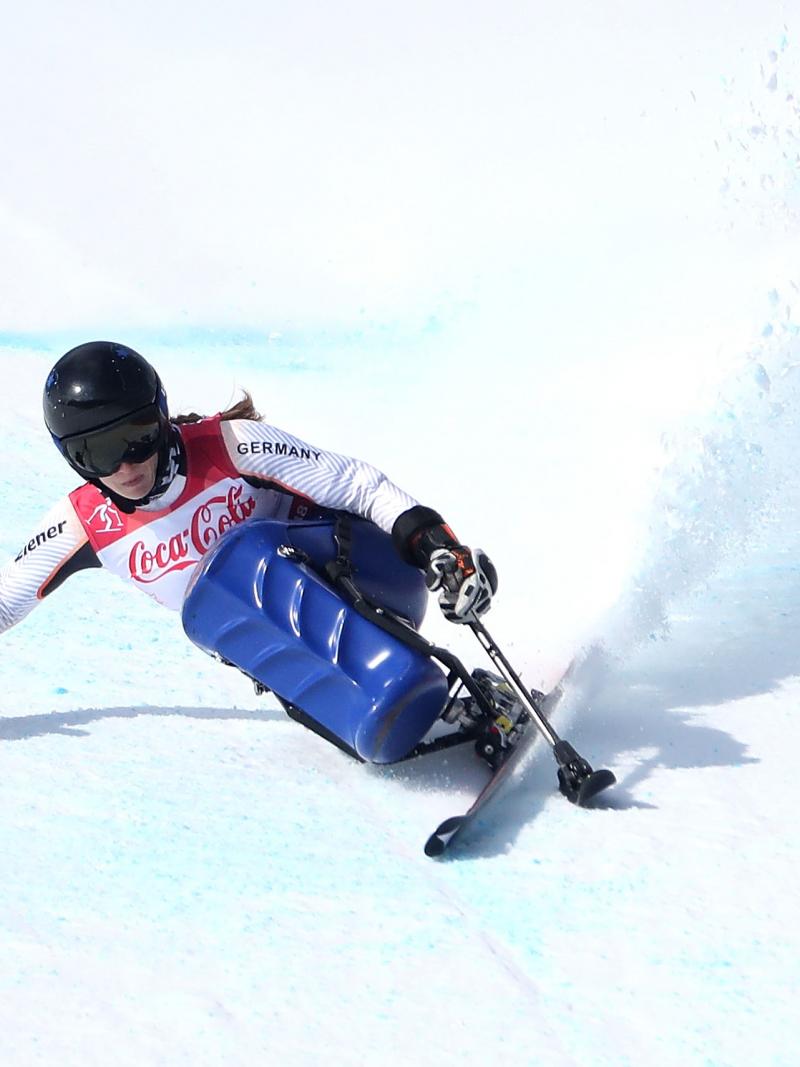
(104, 405)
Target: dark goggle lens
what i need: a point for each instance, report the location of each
(103, 452)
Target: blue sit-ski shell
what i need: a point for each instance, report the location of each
(281, 623)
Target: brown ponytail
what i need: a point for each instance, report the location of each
(243, 409)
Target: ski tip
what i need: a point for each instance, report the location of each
(442, 835)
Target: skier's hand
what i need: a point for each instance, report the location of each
(465, 580)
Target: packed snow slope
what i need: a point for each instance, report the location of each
(541, 269)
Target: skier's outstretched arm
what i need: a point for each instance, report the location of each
(327, 478)
(57, 548)
(464, 579)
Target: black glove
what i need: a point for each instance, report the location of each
(465, 579)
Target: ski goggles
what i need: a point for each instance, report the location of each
(131, 439)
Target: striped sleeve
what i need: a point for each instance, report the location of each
(331, 480)
(25, 579)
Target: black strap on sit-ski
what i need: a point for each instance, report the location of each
(339, 573)
(342, 566)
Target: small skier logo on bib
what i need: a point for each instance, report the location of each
(105, 519)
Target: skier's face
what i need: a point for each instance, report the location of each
(133, 480)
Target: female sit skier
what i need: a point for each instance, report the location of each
(159, 493)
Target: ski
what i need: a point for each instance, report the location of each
(443, 835)
(498, 713)
(576, 779)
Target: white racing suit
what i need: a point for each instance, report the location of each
(231, 471)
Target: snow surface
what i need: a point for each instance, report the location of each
(538, 266)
